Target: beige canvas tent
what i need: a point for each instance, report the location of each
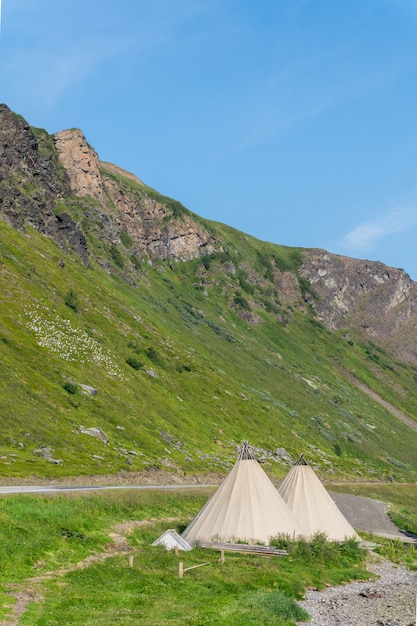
(311, 504)
(246, 507)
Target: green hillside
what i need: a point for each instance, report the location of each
(175, 363)
(217, 379)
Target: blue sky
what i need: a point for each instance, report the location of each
(292, 120)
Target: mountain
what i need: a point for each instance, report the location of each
(138, 339)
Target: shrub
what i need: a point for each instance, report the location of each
(241, 276)
(70, 387)
(323, 550)
(241, 302)
(126, 239)
(71, 300)
(135, 347)
(221, 332)
(320, 550)
(265, 263)
(134, 362)
(306, 288)
(206, 261)
(117, 256)
(337, 449)
(136, 261)
(153, 355)
(351, 549)
(183, 367)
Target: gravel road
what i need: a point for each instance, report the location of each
(367, 514)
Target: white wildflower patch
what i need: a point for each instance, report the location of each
(72, 344)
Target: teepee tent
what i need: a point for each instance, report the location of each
(311, 504)
(246, 507)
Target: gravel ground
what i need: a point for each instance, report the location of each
(389, 600)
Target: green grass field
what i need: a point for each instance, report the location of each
(43, 540)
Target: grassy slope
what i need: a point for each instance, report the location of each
(43, 538)
(220, 378)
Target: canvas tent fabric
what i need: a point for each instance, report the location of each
(312, 506)
(246, 507)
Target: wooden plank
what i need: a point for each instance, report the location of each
(243, 547)
(182, 569)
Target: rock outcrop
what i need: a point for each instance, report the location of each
(39, 173)
(80, 162)
(152, 226)
(30, 187)
(377, 300)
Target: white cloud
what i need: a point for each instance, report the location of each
(366, 236)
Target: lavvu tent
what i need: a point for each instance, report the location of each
(312, 506)
(246, 507)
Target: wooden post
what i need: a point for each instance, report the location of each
(222, 559)
(176, 550)
(181, 569)
(131, 558)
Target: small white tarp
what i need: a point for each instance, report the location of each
(246, 507)
(170, 539)
(312, 505)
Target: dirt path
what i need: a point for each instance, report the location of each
(31, 589)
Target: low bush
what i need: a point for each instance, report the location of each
(71, 300)
(134, 362)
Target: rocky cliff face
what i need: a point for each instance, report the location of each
(152, 225)
(27, 181)
(38, 173)
(378, 300)
(121, 206)
(80, 163)
(30, 188)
